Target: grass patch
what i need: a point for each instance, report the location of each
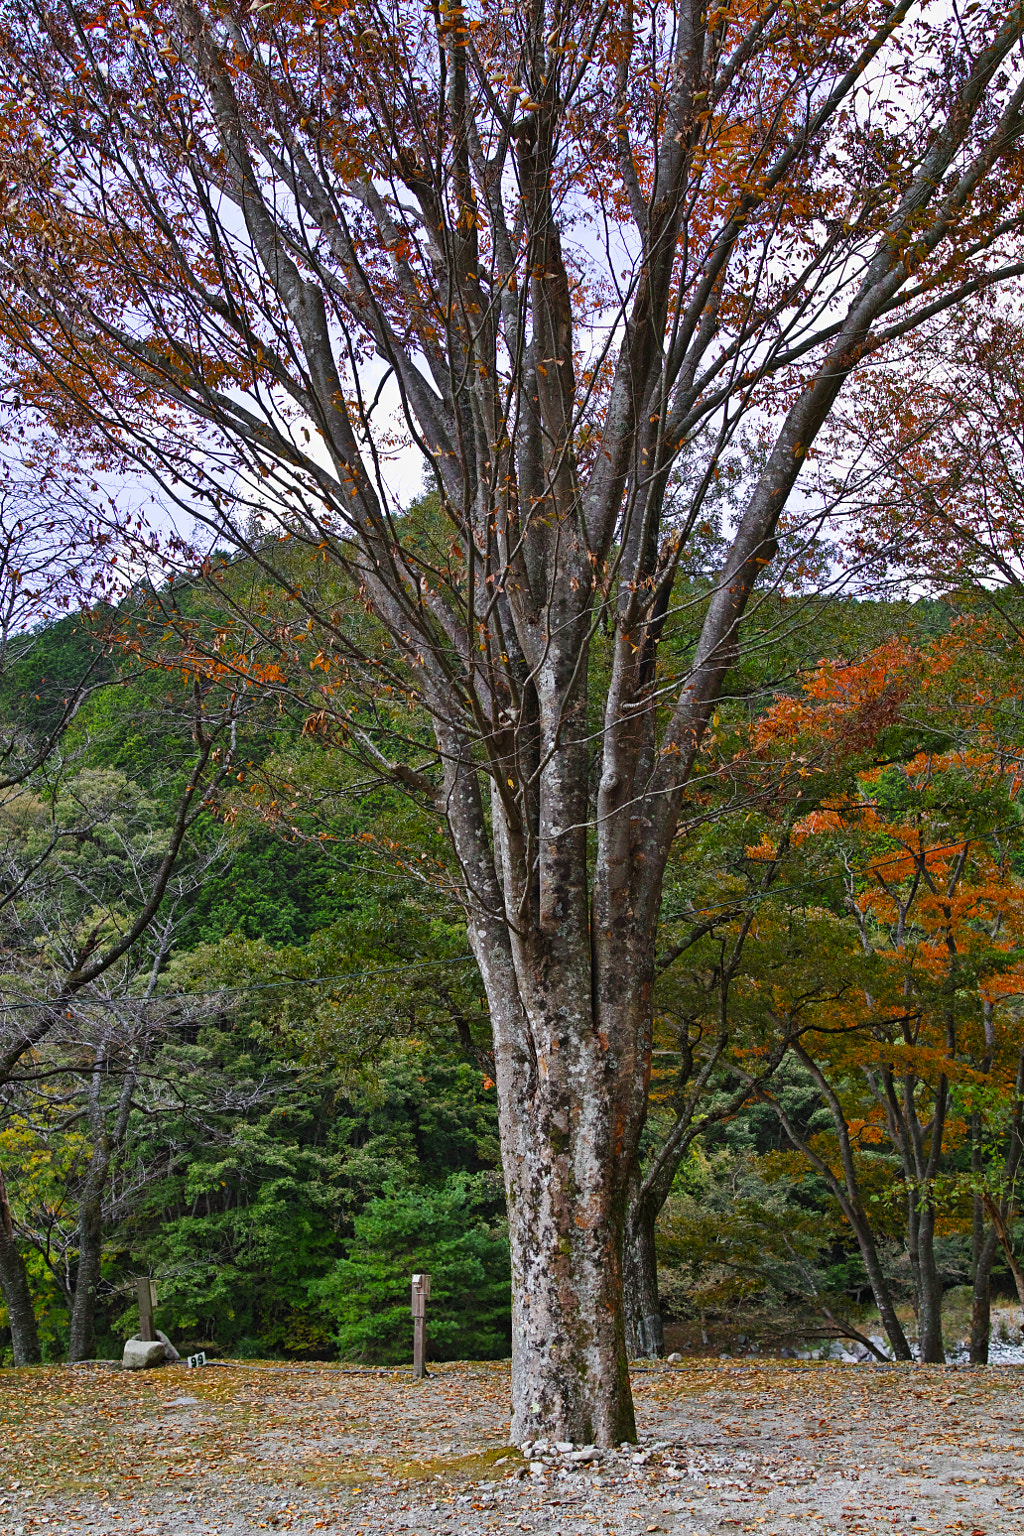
(495, 1463)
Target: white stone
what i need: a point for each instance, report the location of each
(167, 1349)
(140, 1354)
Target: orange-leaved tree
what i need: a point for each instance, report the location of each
(563, 252)
(919, 1061)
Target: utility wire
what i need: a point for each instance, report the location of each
(753, 899)
(255, 986)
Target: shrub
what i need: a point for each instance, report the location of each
(410, 1229)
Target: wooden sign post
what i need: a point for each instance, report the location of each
(147, 1304)
(420, 1293)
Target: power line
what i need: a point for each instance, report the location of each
(256, 986)
(755, 898)
(821, 882)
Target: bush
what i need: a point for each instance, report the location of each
(414, 1229)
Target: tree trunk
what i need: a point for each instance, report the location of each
(1002, 1217)
(931, 1350)
(569, 1369)
(645, 1331)
(570, 1120)
(880, 1288)
(570, 1378)
(847, 1193)
(983, 1242)
(898, 1341)
(14, 1284)
(981, 1293)
(848, 1196)
(82, 1345)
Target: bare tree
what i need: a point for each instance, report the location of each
(551, 248)
(96, 1050)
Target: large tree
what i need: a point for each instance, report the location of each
(566, 251)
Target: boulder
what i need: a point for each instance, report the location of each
(147, 1352)
(170, 1353)
(139, 1354)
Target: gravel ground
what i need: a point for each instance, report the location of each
(762, 1446)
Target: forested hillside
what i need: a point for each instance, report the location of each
(275, 1140)
(279, 1099)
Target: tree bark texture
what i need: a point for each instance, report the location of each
(983, 1249)
(881, 1290)
(563, 1132)
(21, 1313)
(931, 1349)
(645, 1329)
(82, 1342)
(921, 1169)
(919, 1145)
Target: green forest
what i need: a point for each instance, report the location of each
(278, 1098)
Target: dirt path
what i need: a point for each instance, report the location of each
(768, 1447)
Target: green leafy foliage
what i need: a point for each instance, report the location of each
(450, 1233)
(736, 1239)
(267, 1168)
(314, 1119)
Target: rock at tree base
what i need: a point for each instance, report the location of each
(170, 1353)
(142, 1353)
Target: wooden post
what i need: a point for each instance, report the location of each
(147, 1302)
(420, 1292)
